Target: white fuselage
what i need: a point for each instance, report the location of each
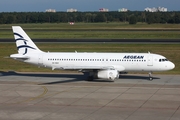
(89, 61)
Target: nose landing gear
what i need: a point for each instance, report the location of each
(150, 76)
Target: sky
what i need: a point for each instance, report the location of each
(85, 5)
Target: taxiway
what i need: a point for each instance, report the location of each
(49, 96)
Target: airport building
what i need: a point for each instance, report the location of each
(158, 9)
(50, 10)
(103, 10)
(71, 10)
(122, 10)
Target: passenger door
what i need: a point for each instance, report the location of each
(150, 60)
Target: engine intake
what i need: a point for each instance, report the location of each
(108, 74)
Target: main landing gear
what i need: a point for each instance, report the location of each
(90, 75)
(90, 78)
(150, 76)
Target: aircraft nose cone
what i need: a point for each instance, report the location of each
(171, 66)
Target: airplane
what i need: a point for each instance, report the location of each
(97, 65)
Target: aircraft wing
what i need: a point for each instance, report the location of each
(87, 67)
(119, 68)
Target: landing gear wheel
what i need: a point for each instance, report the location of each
(150, 76)
(90, 78)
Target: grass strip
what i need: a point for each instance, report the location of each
(96, 34)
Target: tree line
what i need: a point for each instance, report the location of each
(90, 17)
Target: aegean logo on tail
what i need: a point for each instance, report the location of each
(25, 43)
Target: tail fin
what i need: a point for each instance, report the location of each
(23, 42)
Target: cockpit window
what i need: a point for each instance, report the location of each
(163, 60)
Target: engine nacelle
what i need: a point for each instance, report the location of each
(108, 74)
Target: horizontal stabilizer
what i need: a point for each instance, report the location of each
(19, 56)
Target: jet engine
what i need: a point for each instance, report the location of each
(108, 74)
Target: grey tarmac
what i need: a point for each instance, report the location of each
(66, 96)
